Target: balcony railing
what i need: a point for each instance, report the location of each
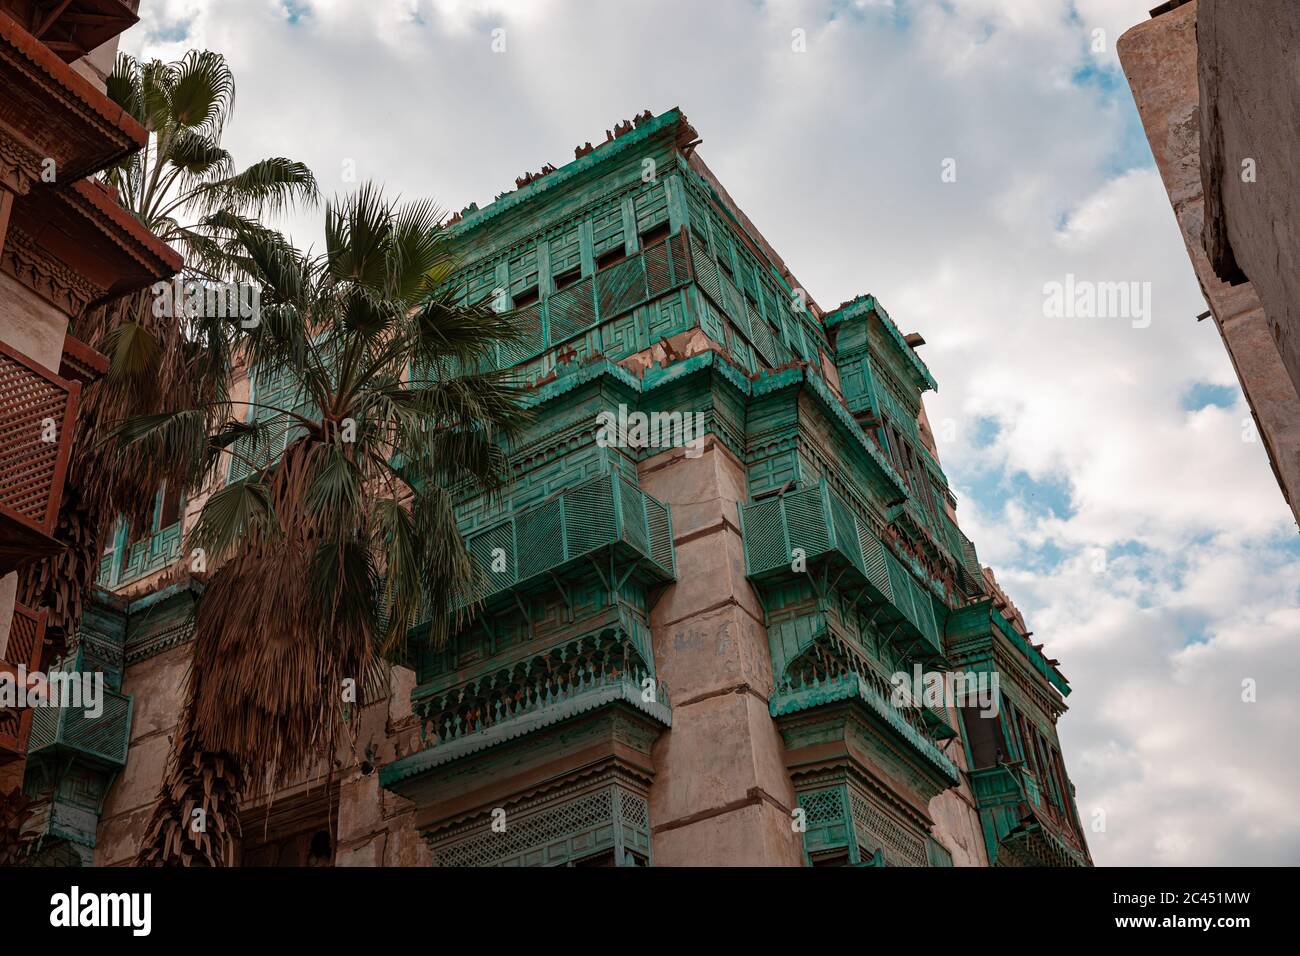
(571, 678)
(37, 413)
(22, 653)
(809, 688)
(69, 732)
(149, 554)
(607, 512)
(818, 523)
(1011, 796)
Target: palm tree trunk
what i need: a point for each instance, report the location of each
(196, 819)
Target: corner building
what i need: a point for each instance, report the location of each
(689, 646)
(682, 655)
(66, 249)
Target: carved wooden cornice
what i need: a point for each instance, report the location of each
(75, 246)
(80, 362)
(56, 114)
(54, 281)
(20, 165)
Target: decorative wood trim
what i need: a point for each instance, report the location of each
(53, 280)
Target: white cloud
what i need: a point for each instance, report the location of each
(836, 154)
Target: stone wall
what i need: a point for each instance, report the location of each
(1159, 58)
(721, 793)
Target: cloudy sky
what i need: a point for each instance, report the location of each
(1104, 467)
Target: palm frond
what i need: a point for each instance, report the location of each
(134, 355)
(230, 514)
(268, 187)
(198, 153)
(201, 93)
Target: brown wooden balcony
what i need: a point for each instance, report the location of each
(72, 28)
(37, 413)
(50, 112)
(22, 651)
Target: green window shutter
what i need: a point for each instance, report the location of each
(529, 321)
(607, 227)
(651, 207)
(279, 389)
(570, 311)
(620, 287)
(566, 251)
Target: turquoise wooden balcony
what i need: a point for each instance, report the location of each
(527, 697)
(538, 691)
(845, 828)
(151, 553)
(68, 733)
(606, 523)
(1020, 823)
(810, 688)
(72, 760)
(835, 543)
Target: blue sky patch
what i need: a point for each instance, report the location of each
(295, 10)
(171, 33)
(1203, 394)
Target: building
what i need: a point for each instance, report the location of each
(1205, 80)
(727, 530)
(65, 247)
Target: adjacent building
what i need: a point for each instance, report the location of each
(1214, 84)
(65, 247)
(727, 532)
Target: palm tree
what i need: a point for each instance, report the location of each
(329, 553)
(185, 188)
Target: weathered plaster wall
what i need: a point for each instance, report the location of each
(373, 826)
(1159, 59)
(1246, 50)
(30, 324)
(721, 794)
(376, 826)
(157, 688)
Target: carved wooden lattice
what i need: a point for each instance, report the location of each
(26, 637)
(547, 834)
(561, 676)
(37, 409)
(26, 641)
(822, 806)
(876, 830)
